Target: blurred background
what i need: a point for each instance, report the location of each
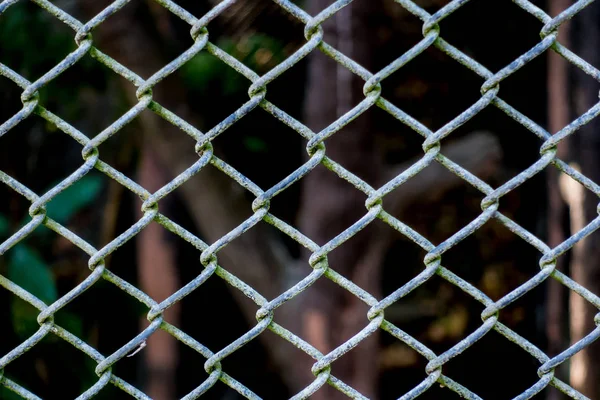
(433, 88)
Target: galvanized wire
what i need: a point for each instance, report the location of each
(316, 150)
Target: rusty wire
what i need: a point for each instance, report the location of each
(316, 150)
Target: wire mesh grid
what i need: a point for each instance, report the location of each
(316, 150)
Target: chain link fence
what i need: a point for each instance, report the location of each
(316, 150)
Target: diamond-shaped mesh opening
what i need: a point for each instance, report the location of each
(348, 95)
(457, 317)
(79, 103)
(49, 366)
(15, 36)
(136, 17)
(91, 321)
(38, 169)
(252, 152)
(520, 316)
(511, 205)
(580, 21)
(186, 379)
(432, 6)
(396, 32)
(398, 355)
(493, 355)
(395, 274)
(260, 34)
(396, 142)
(432, 88)
(533, 76)
(287, 92)
(76, 208)
(473, 35)
(227, 331)
(353, 207)
(11, 104)
(436, 314)
(257, 379)
(14, 213)
(39, 266)
(176, 205)
(91, 93)
(496, 134)
(495, 272)
(214, 88)
(417, 202)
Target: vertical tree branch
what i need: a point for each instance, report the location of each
(158, 278)
(328, 204)
(558, 116)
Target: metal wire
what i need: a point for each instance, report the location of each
(316, 150)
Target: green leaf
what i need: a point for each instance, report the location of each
(24, 318)
(74, 198)
(201, 70)
(28, 270)
(6, 394)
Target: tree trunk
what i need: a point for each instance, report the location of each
(559, 114)
(158, 276)
(254, 257)
(329, 205)
(585, 269)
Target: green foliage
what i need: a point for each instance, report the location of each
(206, 74)
(71, 322)
(25, 26)
(201, 70)
(24, 318)
(28, 270)
(33, 42)
(74, 198)
(70, 201)
(6, 394)
(258, 52)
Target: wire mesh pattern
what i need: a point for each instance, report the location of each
(316, 150)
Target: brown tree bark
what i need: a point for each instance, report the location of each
(558, 112)
(158, 276)
(329, 205)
